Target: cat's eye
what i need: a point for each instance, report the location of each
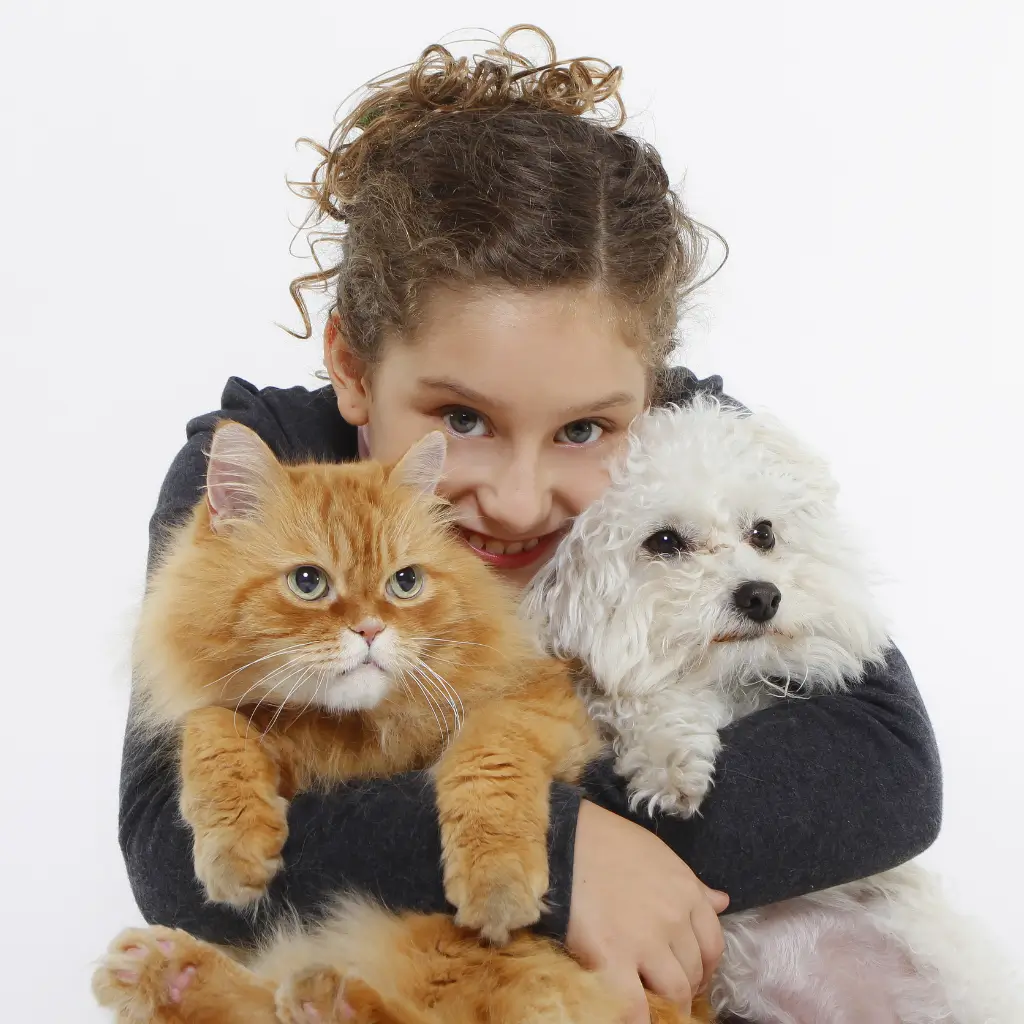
(665, 543)
(762, 536)
(580, 433)
(309, 582)
(406, 583)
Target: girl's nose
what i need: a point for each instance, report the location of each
(516, 499)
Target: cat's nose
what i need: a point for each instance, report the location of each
(368, 629)
(757, 600)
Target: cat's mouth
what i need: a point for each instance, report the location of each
(510, 554)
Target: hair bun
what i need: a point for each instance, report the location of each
(502, 78)
(396, 105)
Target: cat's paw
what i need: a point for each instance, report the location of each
(147, 970)
(320, 995)
(236, 862)
(496, 893)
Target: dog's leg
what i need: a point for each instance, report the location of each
(668, 753)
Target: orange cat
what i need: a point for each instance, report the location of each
(315, 623)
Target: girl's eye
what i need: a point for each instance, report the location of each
(308, 582)
(465, 423)
(580, 432)
(406, 583)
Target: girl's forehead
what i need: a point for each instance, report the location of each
(557, 346)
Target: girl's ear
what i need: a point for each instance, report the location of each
(348, 375)
(422, 465)
(242, 472)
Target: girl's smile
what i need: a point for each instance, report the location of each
(512, 554)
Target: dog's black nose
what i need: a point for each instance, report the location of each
(758, 600)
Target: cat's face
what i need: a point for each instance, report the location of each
(337, 586)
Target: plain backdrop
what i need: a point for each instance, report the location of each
(864, 162)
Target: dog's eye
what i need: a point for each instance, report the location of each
(666, 542)
(762, 535)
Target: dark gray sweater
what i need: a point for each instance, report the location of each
(808, 793)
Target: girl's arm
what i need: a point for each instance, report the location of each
(808, 793)
(378, 837)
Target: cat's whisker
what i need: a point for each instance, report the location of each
(461, 712)
(430, 696)
(274, 654)
(325, 671)
(455, 643)
(281, 682)
(443, 731)
(306, 672)
(263, 680)
(444, 691)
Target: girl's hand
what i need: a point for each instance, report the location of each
(639, 915)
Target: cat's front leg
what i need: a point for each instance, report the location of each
(668, 755)
(493, 792)
(230, 797)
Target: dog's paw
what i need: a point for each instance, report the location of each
(320, 995)
(678, 788)
(147, 970)
(496, 893)
(236, 863)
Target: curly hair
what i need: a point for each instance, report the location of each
(495, 170)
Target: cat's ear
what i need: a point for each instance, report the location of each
(242, 471)
(422, 465)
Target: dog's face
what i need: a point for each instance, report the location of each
(716, 551)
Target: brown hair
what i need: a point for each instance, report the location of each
(496, 169)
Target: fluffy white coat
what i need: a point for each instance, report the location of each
(644, 590)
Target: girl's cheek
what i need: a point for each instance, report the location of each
(585, 482)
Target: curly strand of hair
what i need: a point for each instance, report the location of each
(465, 169)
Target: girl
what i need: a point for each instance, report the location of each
(512, 271)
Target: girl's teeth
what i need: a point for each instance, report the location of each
(497, 547)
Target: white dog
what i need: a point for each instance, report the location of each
(712, 578)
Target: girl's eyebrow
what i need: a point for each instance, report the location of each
(475, 398)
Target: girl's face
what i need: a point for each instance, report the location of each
(534, 391)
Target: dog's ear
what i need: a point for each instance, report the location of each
(553, 601)
(786, 452)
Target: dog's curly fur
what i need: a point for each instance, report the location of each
(645, 591)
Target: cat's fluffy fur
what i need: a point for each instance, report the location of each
(394, 648)
(674, 658)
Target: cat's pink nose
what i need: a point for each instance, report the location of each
(368, 629)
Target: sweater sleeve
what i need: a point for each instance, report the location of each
(808, 793)
(377, 837)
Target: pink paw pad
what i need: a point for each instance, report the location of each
(130, 977)
(179, 984)
(313, 1014)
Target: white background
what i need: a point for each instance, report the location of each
(862, 159)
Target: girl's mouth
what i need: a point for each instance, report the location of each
(511, 554)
